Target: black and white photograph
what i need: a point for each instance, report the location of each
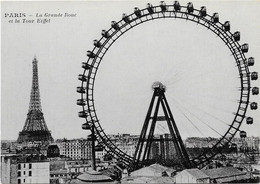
(130, 91)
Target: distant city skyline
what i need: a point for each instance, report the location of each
(125, 77)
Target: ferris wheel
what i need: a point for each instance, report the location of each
(172, 12)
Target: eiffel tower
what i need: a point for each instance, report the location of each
(35, 128)
(142, 154)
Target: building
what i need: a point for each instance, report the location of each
(58, 171)
(200, 142)
(100, 153)
(125, 142)
(75, 149)
(8, 144)
(191, 176)
(8, 169)
(63, 169)
(226, 174)
(154, 170)
(60, 176)
(33, 172)
(163, 148)
(126, 147)
(256, 171)
(154, 173)
(53, 151)
(248, 143)
(156, 152)
(92, 177)
(76, 167)
(25, 169)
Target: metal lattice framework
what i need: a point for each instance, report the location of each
(163, 11)
(144, 145)
(35, 128)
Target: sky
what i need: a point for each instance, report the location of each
(195, 65)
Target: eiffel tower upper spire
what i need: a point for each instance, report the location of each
(35, 128)
(35, 101)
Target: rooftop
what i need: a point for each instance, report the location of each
(93, 176)
(223, 172)
(197, 173)
(226, 174)
(153, 170)
(147, 179)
